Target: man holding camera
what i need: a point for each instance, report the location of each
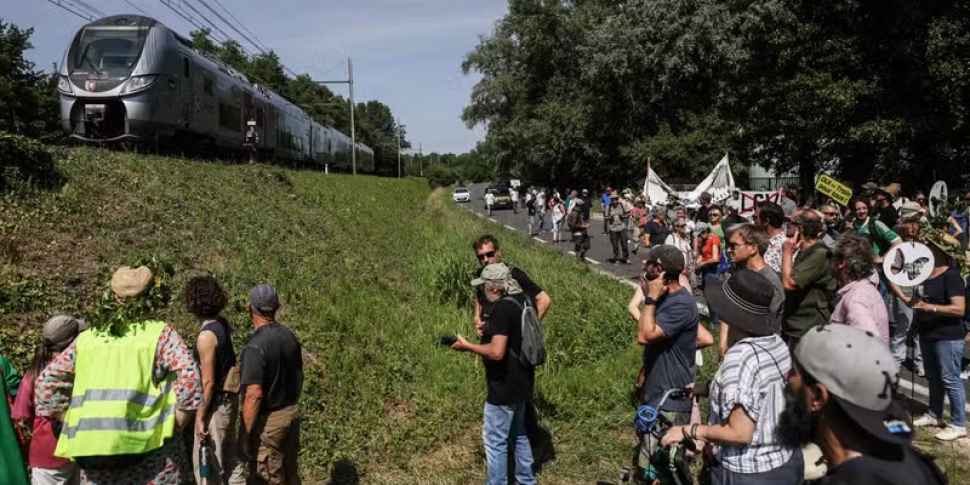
(667, 330)
(509, 382)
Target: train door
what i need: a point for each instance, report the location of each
(186, 92)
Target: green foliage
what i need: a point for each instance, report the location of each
(113, 316)
(25, 160)
(584, 92)
(440, 175)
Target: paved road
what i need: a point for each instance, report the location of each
(601, 250)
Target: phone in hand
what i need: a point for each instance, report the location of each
(448, 340)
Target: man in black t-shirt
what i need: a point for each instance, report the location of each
(841, 396)
(272, 381)
(488, 252)
(509, 382)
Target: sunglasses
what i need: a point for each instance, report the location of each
(733, 246)
(833, 214)
(488, 255)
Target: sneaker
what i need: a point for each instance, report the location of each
(926, 420)
(921, 371)
(951, 433)
(965, 374)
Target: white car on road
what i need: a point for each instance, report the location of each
(461, 195)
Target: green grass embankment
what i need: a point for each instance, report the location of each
(371, 271)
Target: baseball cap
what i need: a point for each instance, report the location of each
(670, 259)
(61, 330)
(860, 374)
(264, 299)
(743, 300)
(498, 273)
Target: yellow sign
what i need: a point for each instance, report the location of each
(834, 189)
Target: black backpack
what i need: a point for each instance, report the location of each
(532, 352)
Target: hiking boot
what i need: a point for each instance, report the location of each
(926, 420)
(951, 433)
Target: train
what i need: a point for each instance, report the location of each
(129, 78)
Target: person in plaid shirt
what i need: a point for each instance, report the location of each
(747, 395)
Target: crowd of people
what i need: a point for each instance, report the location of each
(116, 403)
(813, 332)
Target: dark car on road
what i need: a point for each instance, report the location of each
(503, 199)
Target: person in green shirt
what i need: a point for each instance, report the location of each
(809, 285)
(880, 235)
(12, 468)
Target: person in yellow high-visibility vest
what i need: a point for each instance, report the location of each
(120, 394)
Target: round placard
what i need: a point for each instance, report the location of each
(909, 264)
(937, 194)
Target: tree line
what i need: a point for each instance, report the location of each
(589, 90)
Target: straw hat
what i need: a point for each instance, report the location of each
(131, 281)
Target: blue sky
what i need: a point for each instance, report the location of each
(407, 53)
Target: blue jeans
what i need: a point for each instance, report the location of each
(899, 329)
(504, 426)
(942, 359)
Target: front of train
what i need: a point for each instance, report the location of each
(110, 81)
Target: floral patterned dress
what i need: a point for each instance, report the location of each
(164, 466)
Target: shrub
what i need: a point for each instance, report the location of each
(23, 159)
(440, 175)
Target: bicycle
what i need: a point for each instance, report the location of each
(669, 466)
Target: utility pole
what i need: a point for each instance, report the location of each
(353, 127)
(421, 158)
(399, 148)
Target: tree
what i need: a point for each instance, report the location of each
(28, 98)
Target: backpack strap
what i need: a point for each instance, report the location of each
(875, 238)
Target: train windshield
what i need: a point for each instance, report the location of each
(108, 50)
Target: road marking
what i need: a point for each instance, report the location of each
(510, 228)
(907, 386)
(591, 260)
(540, 240)
(493, 220)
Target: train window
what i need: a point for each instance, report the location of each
(185, 66)
(207, 84)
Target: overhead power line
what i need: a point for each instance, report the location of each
(231, 26)
(89, 8)
(136, 7)
(193, 22)
(72, 9)
(261, 44)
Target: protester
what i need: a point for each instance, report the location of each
(12, 470)
(679, 239)
(509, 382)
(215, 421)
(834, 225)
(706, 200)
(881, 237)
(858, 302)
(708, 259)
(271, 376)
(841, 396)
(638, 220)
(46, 469)
(141, 356)
(901, 324)
(514, 195)
(789, 201)
(668, 331)
(772, 217)
(885, 212)
(657, 229)
(530, 205)
(716, 216)
(558, 209)
(487, 251)
(616, 216)
(747, 393)
(587, 205)
(541, 211)
(579, 228)
(489, 201)
(939, 311)
(745, 248)
(809, 285)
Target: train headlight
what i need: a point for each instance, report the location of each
(139, 83)
(64, 85)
